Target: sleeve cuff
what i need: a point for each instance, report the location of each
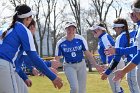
(48, 63)
(117, 51)
(108, 71)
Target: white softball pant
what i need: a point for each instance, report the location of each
(132, 81)
(76, 75)
(8, 83)
(138, 75)
(115, 86)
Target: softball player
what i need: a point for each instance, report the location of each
(71, 47)
(124, 38)
(136, 59)
(105, 40)
(18, 36)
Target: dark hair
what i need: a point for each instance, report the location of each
(20, 9)
(32, 23)
(125, 28)
(136, 4)
(102, 25)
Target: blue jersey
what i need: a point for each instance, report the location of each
(21, 37)
(132, 50)
(136, 58)
(105, 40)
(72, 51)
(122, 42)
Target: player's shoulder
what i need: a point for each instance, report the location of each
(60, 41)
(19, 25)
(77, 36)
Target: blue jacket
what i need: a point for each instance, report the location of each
(20, 37)
(105, 40)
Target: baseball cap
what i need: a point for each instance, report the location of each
(68, 24)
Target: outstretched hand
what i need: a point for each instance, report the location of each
(57, 83)
(110, 51)
(28, 82)
(54, 70)
(55, 64)
(99, 69)
(103, 76)
(119, 74)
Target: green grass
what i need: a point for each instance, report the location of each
(94, 85)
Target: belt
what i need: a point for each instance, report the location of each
(74, 62)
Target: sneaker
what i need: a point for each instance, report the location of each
(122, 91)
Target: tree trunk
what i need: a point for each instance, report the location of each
(36, 45)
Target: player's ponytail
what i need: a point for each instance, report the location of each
(19, 11)
(11, 26)
(124, 28)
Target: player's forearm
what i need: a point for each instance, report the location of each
(129, 67)
(48, 63)
(91, 58)
(126, 51)
(134, 62)
(39, 63)
(21, 74)
(111, 67)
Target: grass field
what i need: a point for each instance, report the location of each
(94, 85)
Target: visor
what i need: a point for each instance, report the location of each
(93, 28)
(27, 14)
(117, 25)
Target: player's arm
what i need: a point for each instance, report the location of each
(28, 46)
(21, 73)
(39, 63)
(102, 55)
(119, 43)
(93, 61)
(126, 51)
(28, 63)
(119, 74)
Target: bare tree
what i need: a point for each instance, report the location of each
(102, 8)
(18, 2)
(117, 8)
(46, 9)
(75, 7)
(56, 24)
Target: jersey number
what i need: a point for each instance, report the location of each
(73, 54)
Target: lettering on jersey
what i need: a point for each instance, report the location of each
(76, 48)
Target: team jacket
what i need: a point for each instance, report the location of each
(134, 49)
(122, 42)
(136, 58)
(21, 37)
(105, 40)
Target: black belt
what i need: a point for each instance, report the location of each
(74, 62)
